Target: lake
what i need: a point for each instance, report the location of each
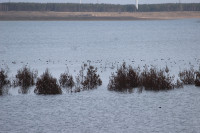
(58, 45)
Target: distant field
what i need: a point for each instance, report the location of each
(36, 15)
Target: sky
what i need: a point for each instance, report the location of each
(107, 1)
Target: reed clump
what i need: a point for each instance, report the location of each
(3, 80)
(197, 79)
(25, 78)
(91, 80)
(66, 80)
(47, 85)
(156, 80)
(125, 79)
(150, 79)
(187, 76)
(87, 80)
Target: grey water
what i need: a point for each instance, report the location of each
(57, 44)
(99, 39)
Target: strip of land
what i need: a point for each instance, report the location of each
(94, 16)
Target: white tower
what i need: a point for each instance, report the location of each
(136, 4)
(80, 2)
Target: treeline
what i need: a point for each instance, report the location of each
(72, 7)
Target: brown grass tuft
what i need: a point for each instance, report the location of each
(3, 80)
(25, 78)
(187, 76)
(47, 85)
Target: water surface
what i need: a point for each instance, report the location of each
(60, 44)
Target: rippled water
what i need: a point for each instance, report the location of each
(103, 111)
(58, 44)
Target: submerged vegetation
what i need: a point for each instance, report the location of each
(187, 76)
(75, 7)
(47, 85)
(197, 79)
(3, 80)
(92, 79)
(125, 79)
(88, 81)
(156, 79)
(190, 77)
(25, 78)
(150, 79)
(66, 80)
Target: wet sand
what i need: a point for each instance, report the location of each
(95, 16)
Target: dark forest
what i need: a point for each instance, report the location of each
(72, 7)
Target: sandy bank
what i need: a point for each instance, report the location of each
(33, 15)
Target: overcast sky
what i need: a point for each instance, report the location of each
(107, 1)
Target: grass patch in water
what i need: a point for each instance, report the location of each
(25, 78)
(3, 80)
(47, 85)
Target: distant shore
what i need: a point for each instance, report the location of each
(94, 16)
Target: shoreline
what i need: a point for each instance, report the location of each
(94, 16)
